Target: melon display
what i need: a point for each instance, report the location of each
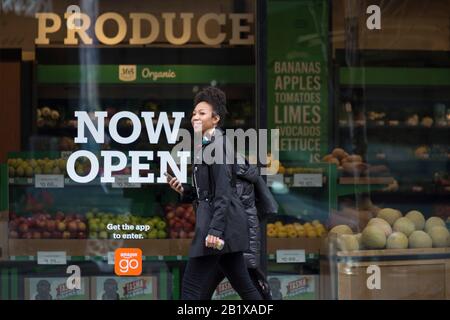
(440, 237)
(390, 215)
(420, 239)
(397, 240)
(404, 225)
(433, 222)
(373, 237)
(341, 229)
(358, 237)
(383, 224)
(347, 242)
(417, 218)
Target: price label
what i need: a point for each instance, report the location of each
(308, 180)
(111, 257)
(276, 178)
(122, 182)
(290, 256)
(51, 257)
(65, 154)
(49, 181)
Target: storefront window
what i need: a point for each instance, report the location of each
(359, 94)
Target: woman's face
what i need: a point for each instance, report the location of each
(203, 118)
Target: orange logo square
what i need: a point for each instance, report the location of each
(128, 262)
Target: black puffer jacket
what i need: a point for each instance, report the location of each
(247, 175)
(258, 202)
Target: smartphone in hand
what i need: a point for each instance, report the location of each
(168, 176)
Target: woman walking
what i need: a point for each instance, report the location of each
(220, 217)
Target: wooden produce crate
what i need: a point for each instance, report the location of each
(421, 274)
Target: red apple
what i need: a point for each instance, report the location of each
(61, 226)
(177, 226)
(179, 212)
(13, 225)
(12, 215)
(81, 226)
(41, 223)
(192, 219)
(171, 222)
(36, 235)
(46, 235)
(23, 227)
(168, 208)
(191, 235)
(51, 225)
(173, 234)
(81, 235)
(183, 234)
(170, 215)
(26, 235)
(72, 226)
(13, 234)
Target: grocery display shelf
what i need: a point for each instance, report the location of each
(69, 182)
(400, 127)
(395, 252)
(152, 249)
(365, 180)
(355, 185)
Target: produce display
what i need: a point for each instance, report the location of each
(18, 167)
(391, 230)
(353, 164)
(312, 229)
(47, 117)
(181, 221)
(45, 226)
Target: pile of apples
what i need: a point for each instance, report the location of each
(45, 226)
(181, 219)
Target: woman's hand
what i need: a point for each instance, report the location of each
(211, 241)
(175, 184)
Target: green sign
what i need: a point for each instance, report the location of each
(297, 77)
(139, 74)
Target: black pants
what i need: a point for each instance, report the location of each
(217, 277)
(202, 270)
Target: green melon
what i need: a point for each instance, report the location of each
(397, 240)
(404, 225)
(390, 215)
(383, 224)
(433, 222)
(420, 239)
(440, 237)
(417, 218)
(347, 242)
(373, 237)
(341, 229)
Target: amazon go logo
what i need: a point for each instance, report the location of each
(128, 262)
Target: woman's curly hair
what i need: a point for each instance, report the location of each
(216, 98)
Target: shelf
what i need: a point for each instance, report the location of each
(395, 252)
(152, 249)
(398, 127)
(398, 76)
(365, 180)
(70, 183)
